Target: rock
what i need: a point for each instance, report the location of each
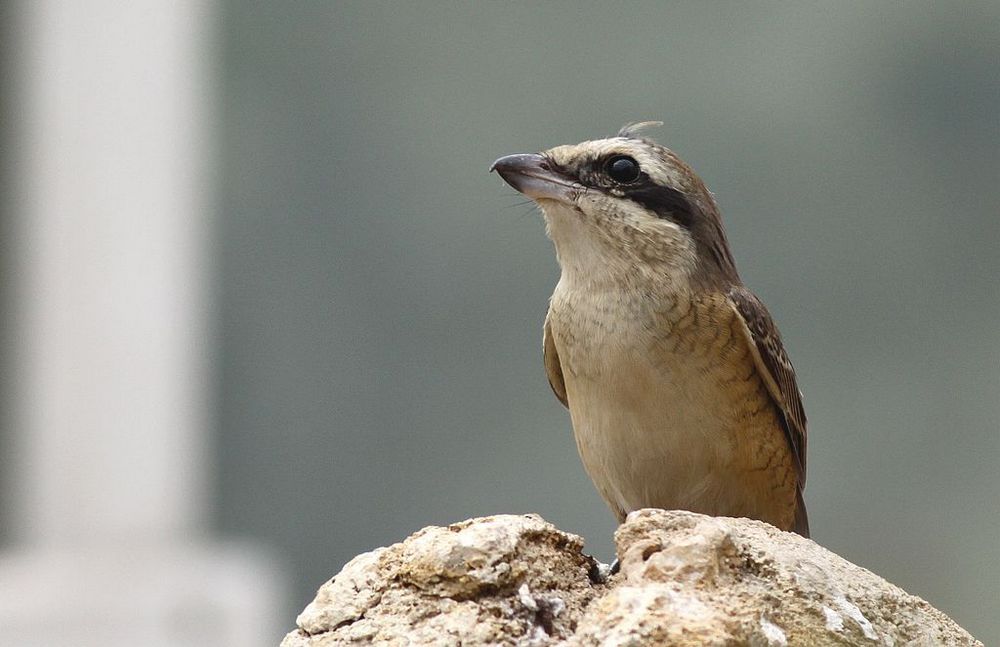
(685, 579)
(496, 580)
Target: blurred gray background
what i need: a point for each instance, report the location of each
(381, 295)
(372, 319)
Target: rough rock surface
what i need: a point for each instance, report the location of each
(686, 579)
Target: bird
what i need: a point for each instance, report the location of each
(679, 389)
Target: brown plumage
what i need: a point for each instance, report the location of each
(679, 389)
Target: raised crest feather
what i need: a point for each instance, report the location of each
(632, 129)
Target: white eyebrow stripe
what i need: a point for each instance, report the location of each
(649, 161)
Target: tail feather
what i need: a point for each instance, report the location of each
(801, 516)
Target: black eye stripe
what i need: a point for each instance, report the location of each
(665, 202)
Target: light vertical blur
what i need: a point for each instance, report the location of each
(105, 473)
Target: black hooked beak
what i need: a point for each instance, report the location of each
(532, 175)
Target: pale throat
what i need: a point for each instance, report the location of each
(599, 255)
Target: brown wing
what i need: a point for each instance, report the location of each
(552, 367)
(773, 364)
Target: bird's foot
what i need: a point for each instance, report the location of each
(600, 572)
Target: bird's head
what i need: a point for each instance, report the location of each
(624, 205)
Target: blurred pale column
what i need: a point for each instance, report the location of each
(108, 482)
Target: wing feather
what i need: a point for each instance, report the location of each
(553, 369)
(773, 364)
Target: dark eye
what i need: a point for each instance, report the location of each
(622, 169)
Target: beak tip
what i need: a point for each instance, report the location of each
(511, 163)
(500, 163)
(531, 175)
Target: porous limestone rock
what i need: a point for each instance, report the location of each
(686, 579)
(506, 579)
